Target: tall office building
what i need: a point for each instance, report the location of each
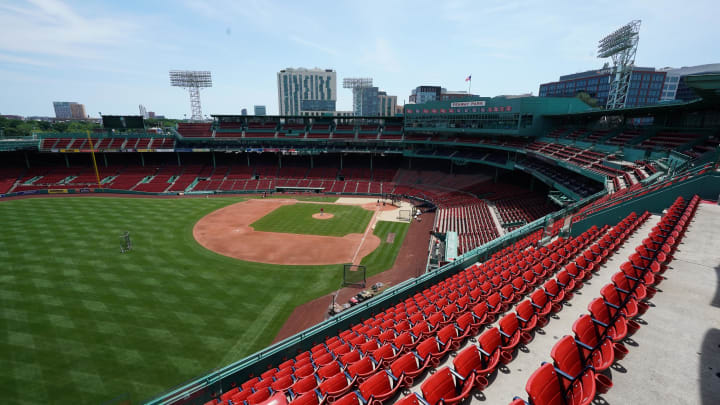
(306, 90)
(69, 110)
(143, 111)
(386, 104)
(260, 110)
(645, 88)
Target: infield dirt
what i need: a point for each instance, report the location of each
(227, 232)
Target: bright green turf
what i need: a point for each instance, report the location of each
(383, 257)
(297, 218)
(82, 323)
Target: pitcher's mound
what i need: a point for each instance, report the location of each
(322, 216)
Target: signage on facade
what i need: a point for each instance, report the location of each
(468, 104)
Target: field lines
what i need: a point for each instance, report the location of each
(84, 324)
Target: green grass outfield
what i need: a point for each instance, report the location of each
(83, 324)
(383, 257)
(297, 218)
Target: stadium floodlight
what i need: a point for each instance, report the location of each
(193, 80)
(621, 47)
(358, 86)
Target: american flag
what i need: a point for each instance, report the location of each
(467, 79)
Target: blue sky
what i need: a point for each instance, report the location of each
(114, 55)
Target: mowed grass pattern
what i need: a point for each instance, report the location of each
(384, 256)
(297, 218)
(83, 324)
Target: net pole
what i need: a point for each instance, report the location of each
(92, 153)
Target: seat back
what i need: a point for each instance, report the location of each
(539, 298)
(420, 328)
(544, 388)
(467, 361)
(383, 352)
(308, 398)
(480, 310)
(378, 384)
(329, 370)
(438, 386)
(304, 385)
(350, 398)
(282, 383)
(490, 340)
(610, 294)
(567, 357)
(427, 347)
(447, 333)
(258, 396)
(599, 310)
(525, 310)
(362, 366)
(509, 324)
(407, 363)
(552, 287)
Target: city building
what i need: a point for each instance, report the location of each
(260, 110)
(424, 94)
(143, 111)
(646, 86)
(675, 87)
(306, 90)
(386, 104)
(69, 110)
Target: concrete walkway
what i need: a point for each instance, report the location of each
(495, 215)
(675, 358)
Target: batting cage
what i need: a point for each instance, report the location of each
(405, 215)
(354, 274)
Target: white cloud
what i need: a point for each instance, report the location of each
(52, 29)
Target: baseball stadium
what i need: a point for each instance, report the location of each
(490, 250)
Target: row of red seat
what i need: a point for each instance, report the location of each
(473, 224)
(574, 377)
(474, 364)
(383, 353)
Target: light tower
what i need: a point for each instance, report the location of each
(358, 86)
(621, 47)
(193, 80)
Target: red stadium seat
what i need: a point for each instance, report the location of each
(598, 349)
(602, 317)
(510, 332)
(526, 316)
(444, 387)
(474, 360)
(573, 368)
(380, 387)
(310, 398)
(335, 387)
(544, 387)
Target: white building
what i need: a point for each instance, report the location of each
(306, 90)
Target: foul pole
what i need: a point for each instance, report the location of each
(92, 153)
